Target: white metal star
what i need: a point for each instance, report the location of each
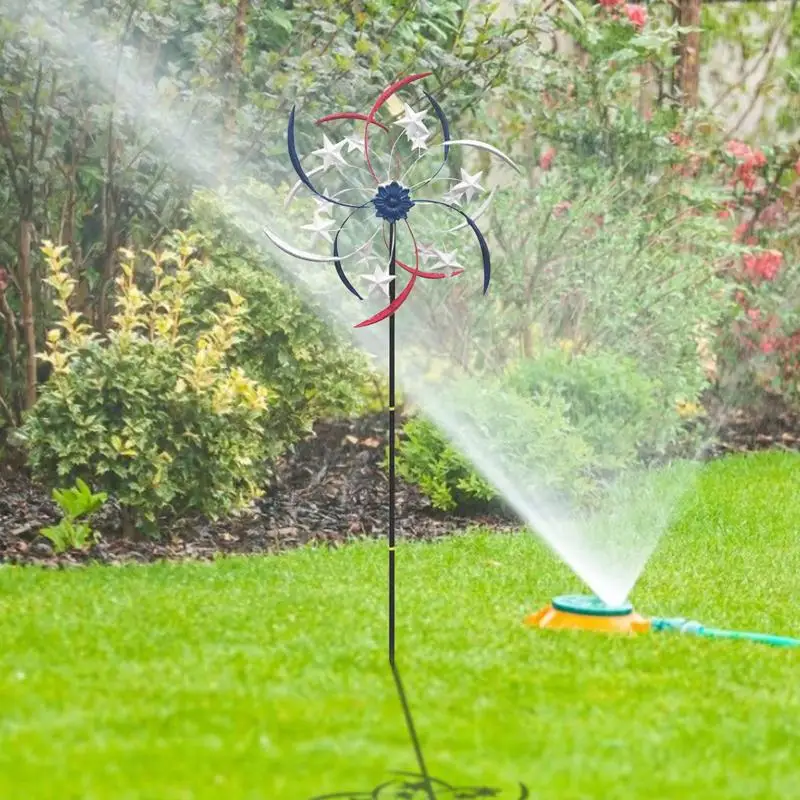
(445, 261)
(355, 144)
(426, 252)
(320, 227)
(331, 153)
(379, 280)
(367, 253)
(419, 142)
(467, 187)
(323, 207)
(412, 123)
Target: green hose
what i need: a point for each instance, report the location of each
(681, 625)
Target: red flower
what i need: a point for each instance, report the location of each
(764, 265)
(750, 160)
(609, 3)
(678, 139)
(637, 15)
(546, 159)
(740, 231)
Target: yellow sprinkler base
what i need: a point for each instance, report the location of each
(586, 613)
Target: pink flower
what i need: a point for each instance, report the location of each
(797, 167)
(637, 15)
(737, 149)
(546, 158)
(768, 344)
(609, 3)
(764, 265)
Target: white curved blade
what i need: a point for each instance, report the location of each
(483, 146)
(296, 188)
(313, 257)
(477, 215)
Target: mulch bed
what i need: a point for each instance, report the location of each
(331, 489)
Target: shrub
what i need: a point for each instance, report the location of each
(288, 349)
(618, 409)
(569, 422)
(443, 474)
(152, 416)
(526, 436)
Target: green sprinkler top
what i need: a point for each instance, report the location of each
(590, 605)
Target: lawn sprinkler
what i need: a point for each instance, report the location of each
(590, 613)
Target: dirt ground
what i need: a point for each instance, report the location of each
(330, 489)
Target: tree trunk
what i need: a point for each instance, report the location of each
(128, 519)
(28, 316)
(232, 81)
(646, 90)
(688, 15)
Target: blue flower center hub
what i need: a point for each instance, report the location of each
(392, 202)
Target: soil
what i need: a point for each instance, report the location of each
(330, 489)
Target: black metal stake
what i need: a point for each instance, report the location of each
(392, 295)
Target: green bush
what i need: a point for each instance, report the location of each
(426, 458)
(618, 409)
(287, 348)
(526, 434)
(150, 415)
(569, 423)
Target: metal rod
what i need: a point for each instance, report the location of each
(392, 488)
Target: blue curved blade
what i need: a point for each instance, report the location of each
(298, 167)
(487, 260)
(337, 262)
(437, 109)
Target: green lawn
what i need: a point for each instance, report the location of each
(267, 677)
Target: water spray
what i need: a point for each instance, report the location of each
(590, 613)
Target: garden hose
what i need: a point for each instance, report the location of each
(589, 613)
(693, 628)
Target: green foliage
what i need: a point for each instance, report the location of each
(619, 410)
(82, 169)
(75, 502)
(571, 422)
(443, 474)
(287, 348)
(79, 500)
(153, 414)
(526, 433)
(608, 265)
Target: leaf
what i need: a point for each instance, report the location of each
(574, 11)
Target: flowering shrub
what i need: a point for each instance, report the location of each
(758, 344)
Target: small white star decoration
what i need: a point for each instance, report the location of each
(466, 188)
(379, 281)
(331, 153)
